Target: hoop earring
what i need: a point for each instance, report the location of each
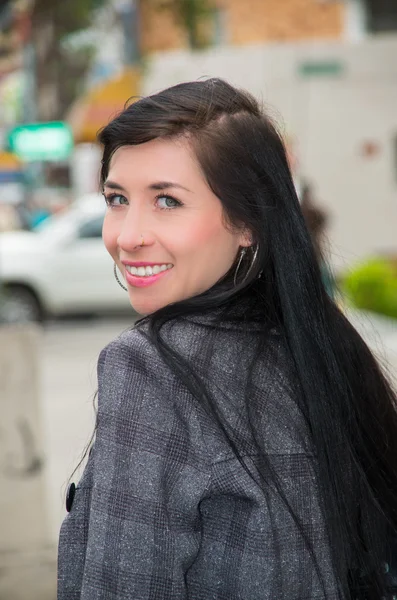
(117, 278)
(242, 254)
(243, 251)
(252, 263)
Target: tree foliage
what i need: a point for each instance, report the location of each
(59, 68)
(70, 15)
(190, 14)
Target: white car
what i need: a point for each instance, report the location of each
(62, 268)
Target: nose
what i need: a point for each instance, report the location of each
(134, 232)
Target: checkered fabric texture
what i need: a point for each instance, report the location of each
(164, 510)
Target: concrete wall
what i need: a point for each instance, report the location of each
(344, 125)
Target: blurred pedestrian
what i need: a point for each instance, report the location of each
(24, 217)
(246, 439)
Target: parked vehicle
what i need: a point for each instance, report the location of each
(60, 269)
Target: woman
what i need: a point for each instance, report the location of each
(246, 439)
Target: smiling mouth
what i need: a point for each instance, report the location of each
(149, 270)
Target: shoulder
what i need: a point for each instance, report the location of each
(132, 370)
(132, 349)
(135, 351)
(136, 384)
(143, 404)
(208, 347)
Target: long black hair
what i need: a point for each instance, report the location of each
(346, 400)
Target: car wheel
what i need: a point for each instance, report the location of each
(19, 305)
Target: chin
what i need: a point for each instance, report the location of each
(146, 306)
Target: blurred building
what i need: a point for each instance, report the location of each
(241, 22)
(326, 73)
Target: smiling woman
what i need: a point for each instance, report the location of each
(156, 192)
(246, 438)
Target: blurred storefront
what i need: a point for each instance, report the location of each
(11, 190)
(334, 103)
(88, 115)
(100, 103)
(11, 170)
(164, 27)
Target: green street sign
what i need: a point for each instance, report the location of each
(41, 141)
(321, 68)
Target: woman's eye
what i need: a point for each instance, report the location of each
(115, 200)
(167, 202)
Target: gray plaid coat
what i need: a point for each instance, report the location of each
(164, 510)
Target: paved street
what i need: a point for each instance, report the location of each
(69, 353)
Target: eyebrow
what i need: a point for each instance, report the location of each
(112, 185)
(158, 185)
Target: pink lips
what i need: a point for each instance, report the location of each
(136, 281)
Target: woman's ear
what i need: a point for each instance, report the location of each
(246, 238)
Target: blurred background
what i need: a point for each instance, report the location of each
(326, 70)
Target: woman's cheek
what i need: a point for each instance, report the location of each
(109, 236)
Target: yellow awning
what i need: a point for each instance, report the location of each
(101, 103)
(9, 162)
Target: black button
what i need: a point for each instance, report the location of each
(70, 496)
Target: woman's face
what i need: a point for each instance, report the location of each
(163, 226)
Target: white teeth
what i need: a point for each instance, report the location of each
(147, 271)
